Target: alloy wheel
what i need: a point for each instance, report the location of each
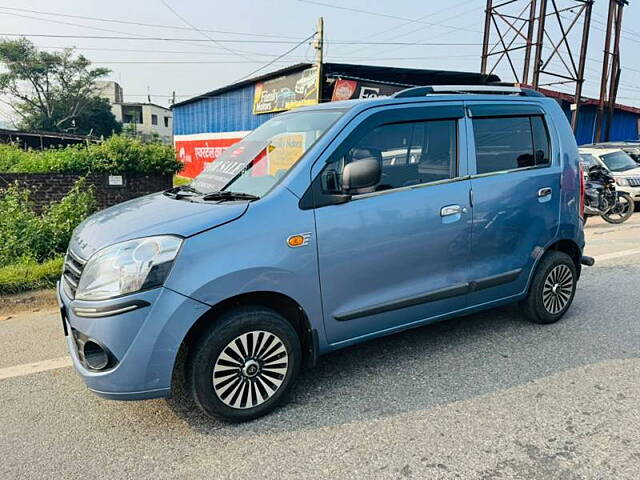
(250, 369)
(557, 289)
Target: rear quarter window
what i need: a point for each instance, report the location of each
(510, 143)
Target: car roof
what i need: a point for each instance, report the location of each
(365, 103)
(597, 151)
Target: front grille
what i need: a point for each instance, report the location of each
(73, 266)
(634, 181)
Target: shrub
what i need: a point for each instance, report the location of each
(31, 237)
(118, 154)
(30, 275)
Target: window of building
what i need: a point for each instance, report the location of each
(410, 153)
(154, 119)
(508, 143)
(166, 121)
(132, 114)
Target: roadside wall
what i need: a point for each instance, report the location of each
(52, 187)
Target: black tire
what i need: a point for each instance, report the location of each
(251, 326)
(550, 295)
(623, 214)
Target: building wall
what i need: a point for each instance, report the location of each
(146, 128)
(229, 112)
(47, 188)
(625, 124)
(110, 90)
(205, 128)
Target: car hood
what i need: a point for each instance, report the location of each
(634, 172)
(154, 214)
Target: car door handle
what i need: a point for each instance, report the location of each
(544, 192)
(449, 210)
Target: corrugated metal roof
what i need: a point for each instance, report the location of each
(395, 75)
(250, 81)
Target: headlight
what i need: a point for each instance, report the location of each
(623, 182)
(128, 267)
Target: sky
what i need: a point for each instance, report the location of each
(194, 46)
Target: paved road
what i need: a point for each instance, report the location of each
(483, 397)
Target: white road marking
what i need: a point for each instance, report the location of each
(35, 367)
(621, 253)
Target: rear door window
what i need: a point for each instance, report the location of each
(510, 143)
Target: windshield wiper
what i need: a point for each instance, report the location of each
(224, 195)
(177, 192)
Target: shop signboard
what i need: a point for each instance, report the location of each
(352, 89)
(284, 93)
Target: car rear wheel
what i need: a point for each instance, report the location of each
(245, 364)
(552, 288)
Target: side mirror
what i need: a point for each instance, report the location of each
(362, 173)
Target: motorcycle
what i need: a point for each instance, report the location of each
(601, 197)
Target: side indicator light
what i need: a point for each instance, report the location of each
(299, 240)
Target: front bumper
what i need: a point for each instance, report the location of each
(633, 191)
(142, 343)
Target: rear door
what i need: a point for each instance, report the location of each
(515, 182)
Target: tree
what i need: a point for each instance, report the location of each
(95, 119)
(52, 91)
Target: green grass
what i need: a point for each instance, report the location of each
(22, 277)
(178, 180)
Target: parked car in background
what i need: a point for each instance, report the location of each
(390, 214)
(624, 169)
(630, 148)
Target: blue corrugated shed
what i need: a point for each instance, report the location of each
(624, 127)
(230, 108)
(230, 111)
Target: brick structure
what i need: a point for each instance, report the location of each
(47, 188)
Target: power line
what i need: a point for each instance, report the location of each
(135, 50)
(200, 40)
(384, 15)
(275, 59)
(230, 62)
(206, 35)
(137, 36)
(414, 30)
(140, 24)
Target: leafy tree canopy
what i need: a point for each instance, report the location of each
(54, 91)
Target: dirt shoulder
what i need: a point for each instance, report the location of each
(34, 301)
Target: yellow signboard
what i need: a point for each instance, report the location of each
(285, 150)
(286, 92)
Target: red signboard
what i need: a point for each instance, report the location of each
(195, 151)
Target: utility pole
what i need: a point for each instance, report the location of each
(318, 44)
(610, 70)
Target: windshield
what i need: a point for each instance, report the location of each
(619, 161)
(588, 160)
(256, 163)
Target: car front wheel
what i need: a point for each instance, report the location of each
(244, 365)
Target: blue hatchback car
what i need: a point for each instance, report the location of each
(325, 227)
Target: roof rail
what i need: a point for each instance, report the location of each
(461, 89)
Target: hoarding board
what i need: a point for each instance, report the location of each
(350, 89)
(284, 93)
(195, 151)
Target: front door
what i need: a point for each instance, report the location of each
(515, 181)
(397, 253)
